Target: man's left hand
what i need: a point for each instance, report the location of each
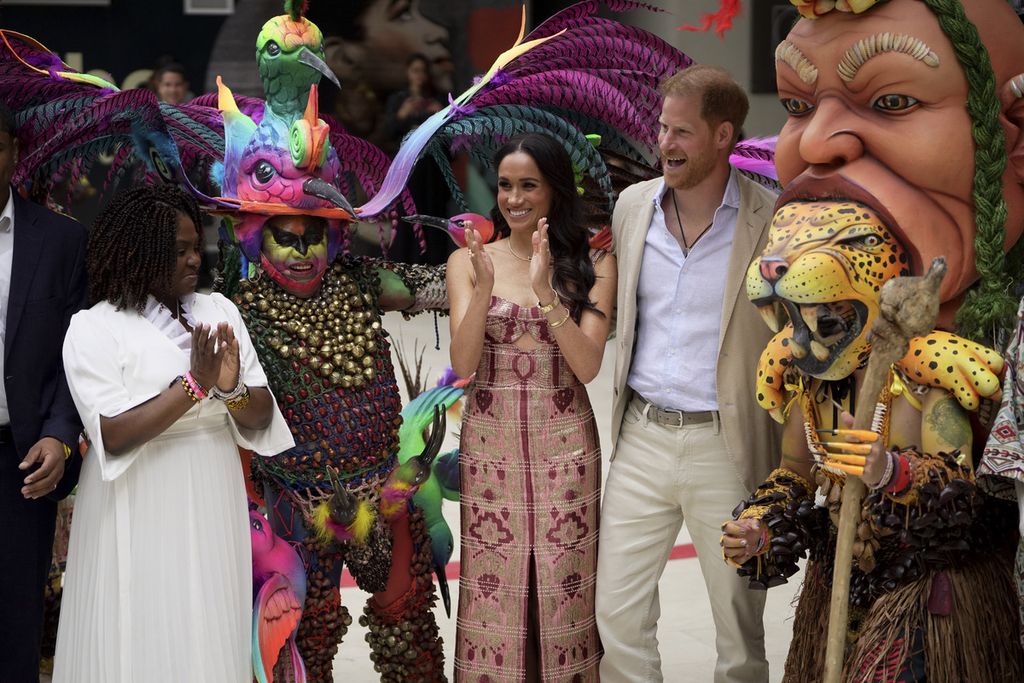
(49, 454)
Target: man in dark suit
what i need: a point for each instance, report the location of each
(42, 284)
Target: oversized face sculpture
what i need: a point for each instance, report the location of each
(878, 116)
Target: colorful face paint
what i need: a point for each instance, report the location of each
(295, 252)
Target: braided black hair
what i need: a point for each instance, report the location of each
(131, 244)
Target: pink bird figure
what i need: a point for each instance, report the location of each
(455, 226)
(279, 584)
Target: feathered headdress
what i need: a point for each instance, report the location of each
(576, 74)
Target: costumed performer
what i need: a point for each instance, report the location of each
(869, 196)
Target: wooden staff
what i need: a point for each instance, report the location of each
(908, 307)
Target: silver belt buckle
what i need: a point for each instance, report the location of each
(670, 417)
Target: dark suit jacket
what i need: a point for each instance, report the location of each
(47, 288)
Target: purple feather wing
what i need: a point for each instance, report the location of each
(593, 73)
(756, 158)
(585, 12)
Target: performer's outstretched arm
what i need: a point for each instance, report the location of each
(412, 288)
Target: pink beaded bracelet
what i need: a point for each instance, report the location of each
(195, 386)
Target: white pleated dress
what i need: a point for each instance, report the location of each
(159, 571)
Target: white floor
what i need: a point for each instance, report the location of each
(685, 632)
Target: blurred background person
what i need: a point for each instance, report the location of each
(171, 83)
(367, 45)
(406, 109)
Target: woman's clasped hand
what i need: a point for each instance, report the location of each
(215, 359)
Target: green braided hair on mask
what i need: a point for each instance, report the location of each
(989, 307)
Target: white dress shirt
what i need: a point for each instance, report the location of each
(679, 309)
(6, 260)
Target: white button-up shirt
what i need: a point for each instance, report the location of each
(6, 260)
(679, 309)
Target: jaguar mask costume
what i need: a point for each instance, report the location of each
(865, 200)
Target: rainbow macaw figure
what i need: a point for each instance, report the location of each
(280, 173)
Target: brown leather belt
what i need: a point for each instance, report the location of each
(667, 417)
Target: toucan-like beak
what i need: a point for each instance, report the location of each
(318, 187)
(312, 61)
(432, 221)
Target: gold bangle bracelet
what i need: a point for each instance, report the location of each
(547, 308)
(240, 402)
(559, 323)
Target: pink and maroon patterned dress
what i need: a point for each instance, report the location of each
(530, 466)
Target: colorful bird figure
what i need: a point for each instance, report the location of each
(284, 163)
(279, 584)
(455, 227)
(284, 42)
(406, 479)
(443, 482)
(343, 516)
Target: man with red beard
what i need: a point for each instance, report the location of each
(907, 114)
(687, 434)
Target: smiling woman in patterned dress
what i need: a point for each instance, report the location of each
(529, 315)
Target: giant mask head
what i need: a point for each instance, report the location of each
(282, 172)
(888, 120)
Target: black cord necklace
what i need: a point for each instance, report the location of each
(682, 232)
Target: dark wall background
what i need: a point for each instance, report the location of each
(123, 37)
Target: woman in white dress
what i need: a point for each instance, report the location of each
(159, 577)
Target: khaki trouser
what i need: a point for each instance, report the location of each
(661, 477)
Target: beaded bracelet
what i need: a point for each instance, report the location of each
(890, 463)
(198, 388)
(239, 389)
(180, 379)
(559, 323)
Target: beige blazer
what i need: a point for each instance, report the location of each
(751, 436)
